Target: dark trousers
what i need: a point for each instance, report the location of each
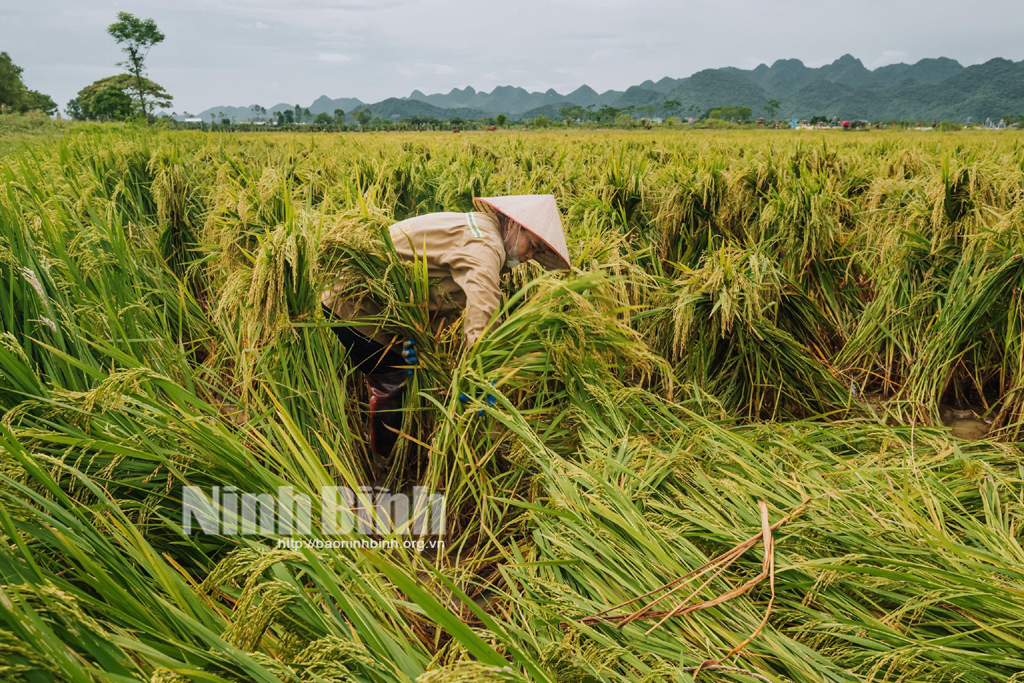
(371, 357)
(385, 379)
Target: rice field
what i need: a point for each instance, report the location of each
(718, 448)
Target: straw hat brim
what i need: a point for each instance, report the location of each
(538, 215)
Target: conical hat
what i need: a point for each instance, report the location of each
(538, 214)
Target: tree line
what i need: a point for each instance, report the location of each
(15, 96)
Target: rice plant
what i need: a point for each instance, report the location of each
(748, 361)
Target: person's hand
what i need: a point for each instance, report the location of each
(409, 353)
(490, 400)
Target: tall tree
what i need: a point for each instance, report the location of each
(771, 107)
(136, 37)
(339, 116)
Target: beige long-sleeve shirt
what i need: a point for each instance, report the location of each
(463, 251)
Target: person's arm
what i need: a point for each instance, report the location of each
(476, 269)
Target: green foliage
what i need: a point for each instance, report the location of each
(573, 112)
(105, 99)
(110, 103)
(717, 124)
(39, 101)
(625, 121)
(74, 110)
(739, 114)
(15, 95)
(606, 114)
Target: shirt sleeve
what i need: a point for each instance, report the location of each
(476, 269)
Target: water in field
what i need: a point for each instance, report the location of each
(965, 423)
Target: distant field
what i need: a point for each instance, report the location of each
(17, 130)
(761, 327)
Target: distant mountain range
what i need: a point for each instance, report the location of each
(932, 88)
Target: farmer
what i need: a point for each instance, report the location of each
(466, 253)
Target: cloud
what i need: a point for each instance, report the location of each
(257, 25)
(890, 57)
(314, 5)
(334, 57)
(419, 68)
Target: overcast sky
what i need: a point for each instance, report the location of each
(240, 52)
